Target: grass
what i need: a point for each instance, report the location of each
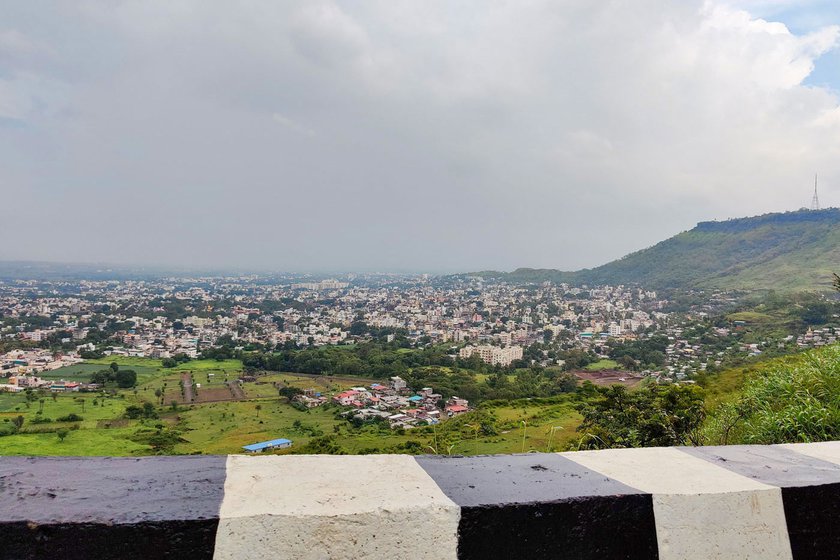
(224, 427)
(602, 365)
(102, 442)
(726, 385)
(750, 317)
(82, 372)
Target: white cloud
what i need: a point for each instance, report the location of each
(292, 125)
(456, 135)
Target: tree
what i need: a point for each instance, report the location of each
(149, 410)
(358, 328)
(126, 378)
(258, 408)
(323, 445)
(662, 416)
(17, 422)
(115, 367)
(290, 392)
(62, 433)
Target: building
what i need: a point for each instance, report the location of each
(493, 355)
(268, 445)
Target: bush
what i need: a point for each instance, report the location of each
(789, 403)
(72, 417)
(133, 412)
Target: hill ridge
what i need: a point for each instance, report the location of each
(795, 250)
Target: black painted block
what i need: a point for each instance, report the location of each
(184, 540)
(540, 506)
(104, 507)
(813, 521)
(597, 527)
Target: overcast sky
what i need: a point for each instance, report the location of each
(427, 135)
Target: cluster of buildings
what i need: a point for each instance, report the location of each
(28, 362)
(396, 404)
(163, 318)
(53, 323)
(20, 383)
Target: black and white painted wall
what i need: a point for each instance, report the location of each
(762, 502)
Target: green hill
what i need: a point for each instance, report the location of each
(788, 251)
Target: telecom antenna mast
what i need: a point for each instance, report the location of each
(815, 202)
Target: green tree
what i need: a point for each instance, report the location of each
(548, 334)
(665, 416)
(126, 378)
(62, 434)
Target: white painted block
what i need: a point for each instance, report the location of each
(743, 525)
(826, 450)
(334, 507)
(702, 511)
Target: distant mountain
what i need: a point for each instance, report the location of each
(786, 251)
(58, 271)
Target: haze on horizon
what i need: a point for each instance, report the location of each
(426, 136)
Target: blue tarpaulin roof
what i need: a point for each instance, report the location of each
(266, 444)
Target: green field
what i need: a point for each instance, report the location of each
(602, 365)
(81, 372)
(224, 427)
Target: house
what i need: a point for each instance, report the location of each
(455, 410)
(268, 445)
(64, 386)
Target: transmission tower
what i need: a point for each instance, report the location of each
(815, 202)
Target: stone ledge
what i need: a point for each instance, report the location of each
(758, 502)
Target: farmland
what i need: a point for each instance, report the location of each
(219, 422)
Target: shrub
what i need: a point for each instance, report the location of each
(798, 402)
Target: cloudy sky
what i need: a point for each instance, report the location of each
(384, 135)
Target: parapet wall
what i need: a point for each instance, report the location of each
(762, 502)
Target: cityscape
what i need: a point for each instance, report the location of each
(334, 280)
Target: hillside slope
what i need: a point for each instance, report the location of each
(792, 250)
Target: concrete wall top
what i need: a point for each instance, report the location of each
(762, 502)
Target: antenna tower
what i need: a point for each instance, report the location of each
(815, 202)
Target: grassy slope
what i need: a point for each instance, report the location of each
(794, 250)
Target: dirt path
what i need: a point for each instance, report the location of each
(186, 379)
(236, 390)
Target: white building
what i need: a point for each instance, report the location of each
(493, 355)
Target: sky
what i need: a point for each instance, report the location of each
(435, 136)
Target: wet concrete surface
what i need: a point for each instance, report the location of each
(114, 507)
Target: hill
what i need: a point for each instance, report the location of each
(790, 251)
